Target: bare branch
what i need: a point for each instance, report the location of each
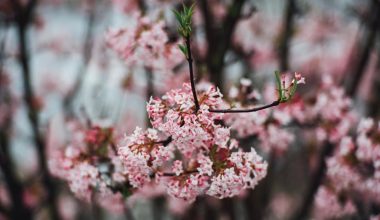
(275, 103)
(190, 61)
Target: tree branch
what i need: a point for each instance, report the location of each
(184, 173)
(286, 35)
(23, 18)
(18, 209)
(219, 38)
(315, 182)
(367, 41)
(190, 61)
(15, 189)
(165, 142)
(275, 103)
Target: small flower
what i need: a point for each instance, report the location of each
(299, 78)
(177, 167)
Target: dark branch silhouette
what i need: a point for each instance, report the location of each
(365, 46)
(24, 14)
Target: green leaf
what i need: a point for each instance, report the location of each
(183, 48)
(293, 90)
(279, 85)
(192, 8)
(177, 15)
(184, 19)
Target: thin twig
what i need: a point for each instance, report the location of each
(275, 103)
(193, 89)
(113, 147)
(184, 173)
(165, 142)
(149, 91)
(190, 61)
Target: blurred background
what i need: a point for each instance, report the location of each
(62, 63)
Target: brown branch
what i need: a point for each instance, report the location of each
(286, 35)
(113, 147)
(367, 42)
(373, 106)
(189, 58)
(149, 91)
(275, 103)
(184, 173)
(219, 38)
(229, 24)
(18, 210)
(24, 16)
(142, 6)
(14, 187)
(166, 141)
(208, 20)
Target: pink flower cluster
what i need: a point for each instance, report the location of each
(208, 159)
(333, 108)
(328, 205)
(143, 154)
(175, 116)
(354, 168)
(145, 44)
(90, 166)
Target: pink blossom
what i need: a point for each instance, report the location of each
(145, 44)
(187, 188)
(177, 167)
(299, 78)
(174, 115)
(136, 153)
(205, 165)
(245, 172)
(328, 205)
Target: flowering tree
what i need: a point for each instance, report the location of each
(172, 110)
(188, 151)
